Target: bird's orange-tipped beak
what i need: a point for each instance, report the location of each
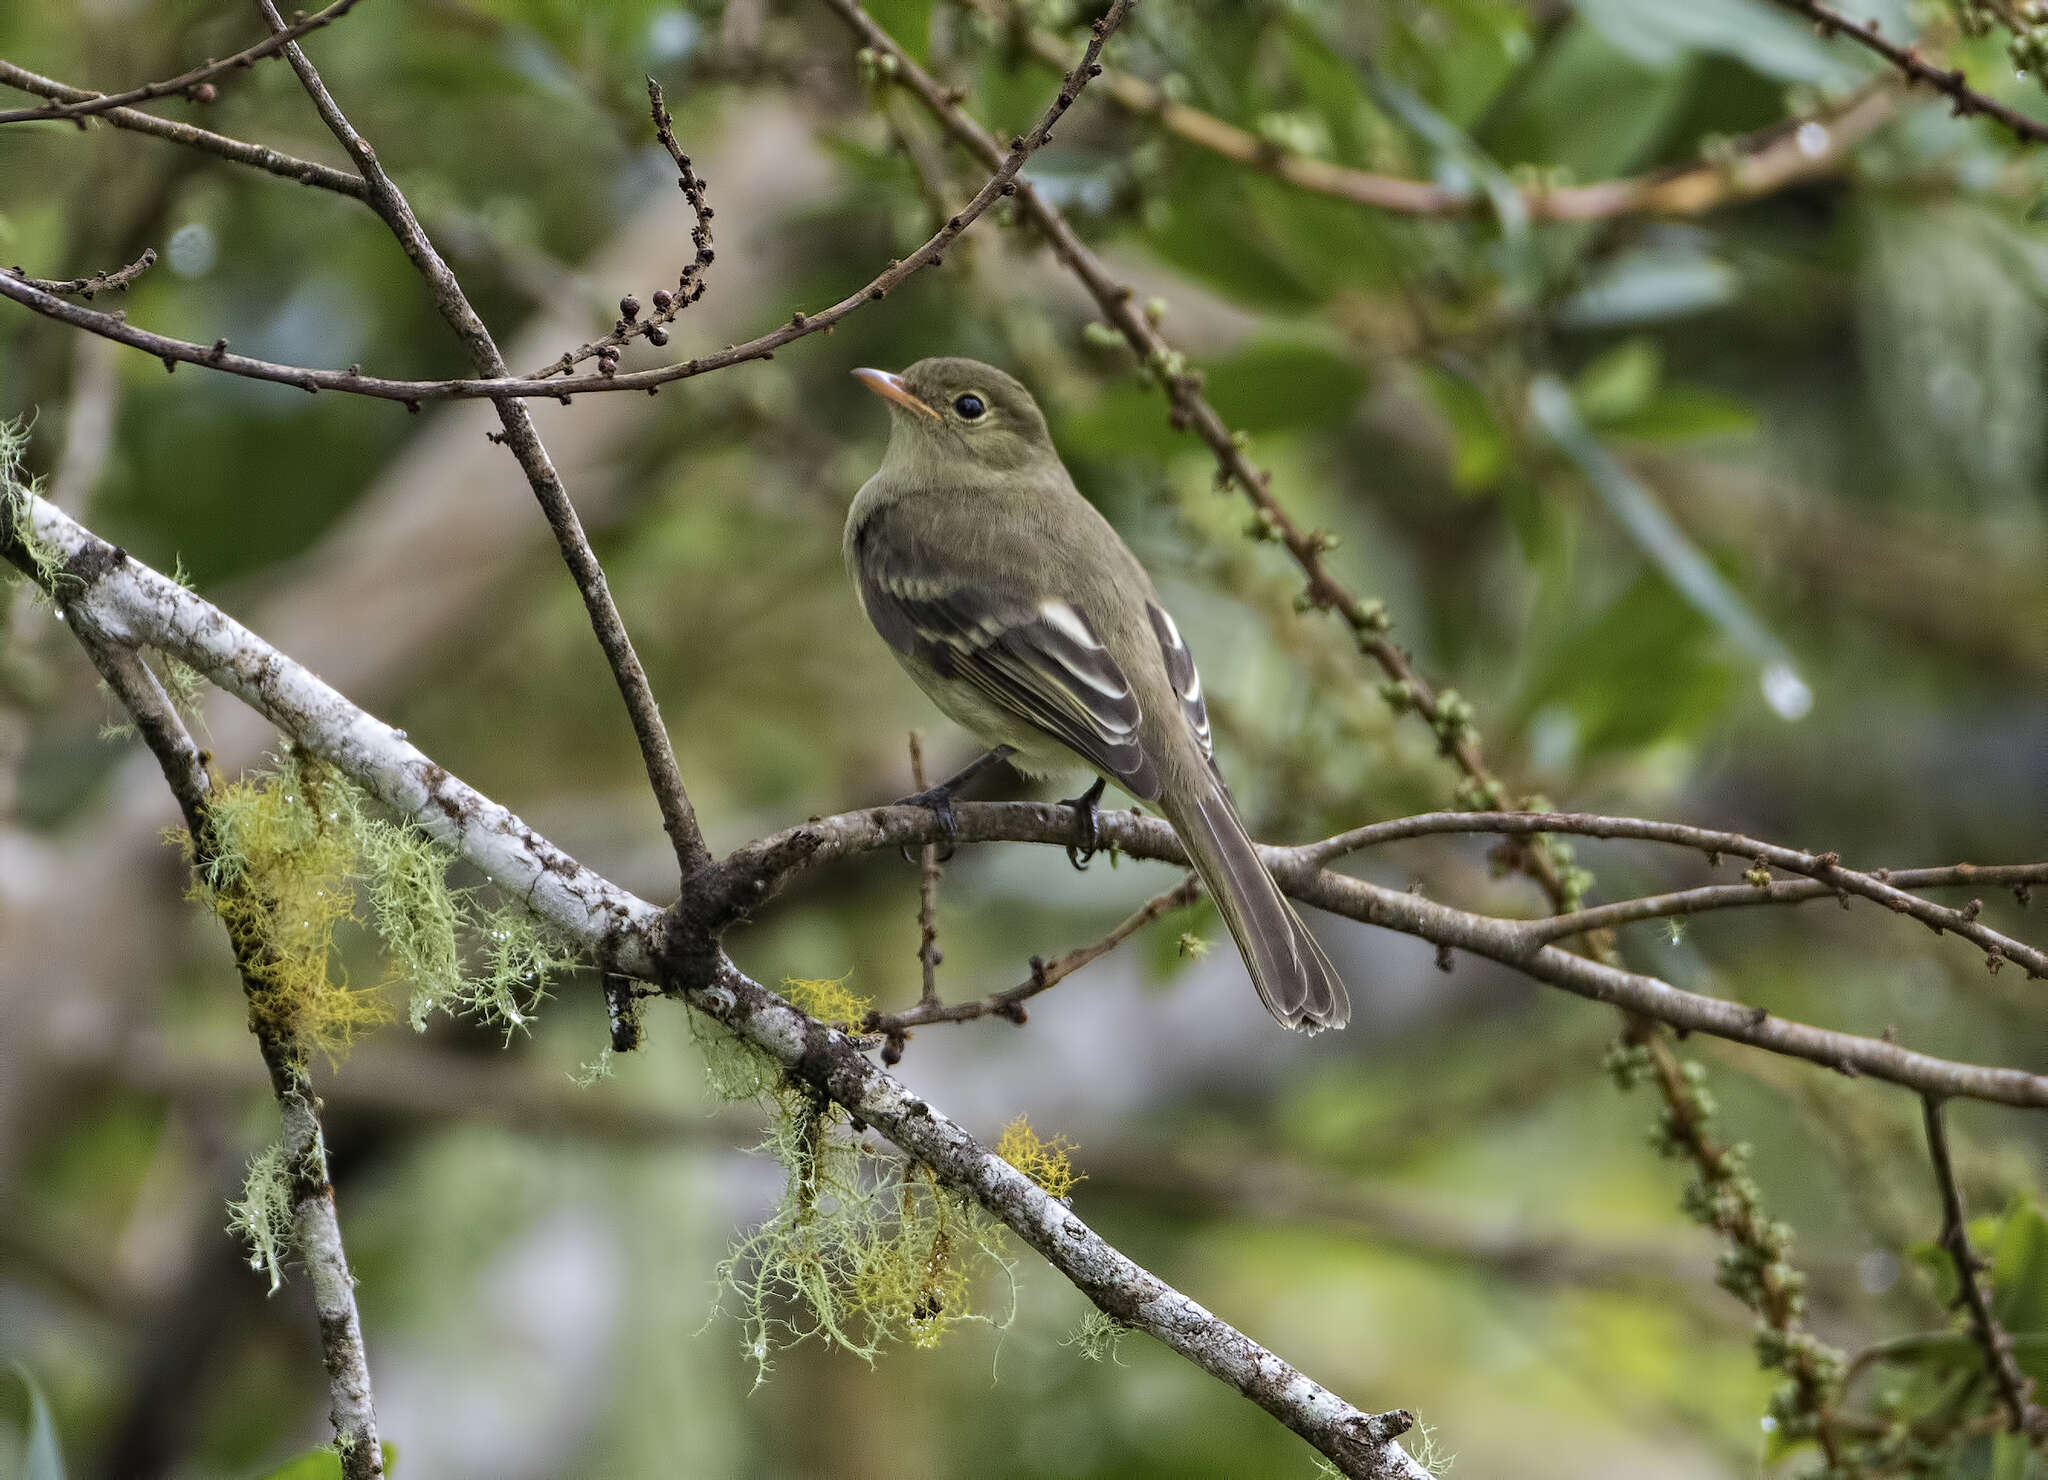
(889, 386)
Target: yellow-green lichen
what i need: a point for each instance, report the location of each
(828, 999)
(15, 493)
(862, 1251)
(293, 852)
(1048, 1163)
(280, 872)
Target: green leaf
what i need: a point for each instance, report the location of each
(1681, 413)
(1281, 385)
(2012, 1457)
(2019, 1269)
(1663, 33)
(1649, 286)
(44, 1459)
(1621, 382)
(1642, 669)
(1479, 450)
(1588, 107)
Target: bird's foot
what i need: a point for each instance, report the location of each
(938, 801)
(1087, 824)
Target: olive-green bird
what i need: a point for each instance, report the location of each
(1026, 618)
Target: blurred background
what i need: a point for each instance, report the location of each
(1836, 636)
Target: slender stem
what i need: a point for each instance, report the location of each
(679, 819)
(86, 287)
(191, 136)
(928, 870)
(1823, 868)
(1916, 68)
(184, 83)
(1044, 974)
(2014, 1386)
(316, 1224)
(499, 385)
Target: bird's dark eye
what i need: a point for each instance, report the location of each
(969, 407)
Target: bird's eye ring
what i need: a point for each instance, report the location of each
(969, 407)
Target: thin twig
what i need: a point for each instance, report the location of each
(2019, 877)
(1950, 82)
(690, 283)
(194, 84)
(497, 384)
(895, 1026)
(928, 869)
(1824, 868)
(86, 287)
(315, 1222)
(679, 819)
(2014, 1386)
(191, 136)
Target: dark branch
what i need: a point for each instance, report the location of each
(667, 303)
(679, 820)
(190, 84)
(235, 151)
(1952, 83)
(86, 287)
(2014, 1386)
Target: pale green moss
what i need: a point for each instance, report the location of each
(1098, 1336)
(262, 1216)
(864, 1249)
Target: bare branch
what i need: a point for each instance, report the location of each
(86, 287)
(193, 84)
(134, 605)
(679, 819)
(1965, 99)
(2019, 877)
(928, 953)
(1044, 976)
(667, 304)
(2014, 1386)
(235, 151)
(496, 384)
(1823, 868)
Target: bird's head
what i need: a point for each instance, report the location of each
(961, 414)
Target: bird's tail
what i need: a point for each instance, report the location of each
(1294, 978)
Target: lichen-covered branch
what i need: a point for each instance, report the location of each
(135, 605)
(110, 596)
(299, 1163)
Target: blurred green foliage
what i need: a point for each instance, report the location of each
(1833, 392)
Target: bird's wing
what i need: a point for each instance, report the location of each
(1044, 663)
(1180, 670)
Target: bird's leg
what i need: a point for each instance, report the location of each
(938, 800)
(1087, 824)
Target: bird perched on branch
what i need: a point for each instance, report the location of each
(1026, 618)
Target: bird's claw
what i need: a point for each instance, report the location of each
(939, 802)
(1087, 841)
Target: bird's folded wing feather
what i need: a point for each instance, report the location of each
(1043, 662)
